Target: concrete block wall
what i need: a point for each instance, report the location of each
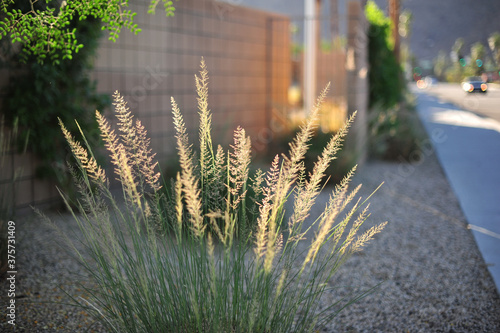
(239, 48)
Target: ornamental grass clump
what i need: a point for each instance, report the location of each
(214, 250)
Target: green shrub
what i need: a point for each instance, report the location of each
(395, 133)
(394, 127)
(203, 275)
(38, 94)
(385, 76)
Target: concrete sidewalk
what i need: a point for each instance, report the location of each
(468, 148)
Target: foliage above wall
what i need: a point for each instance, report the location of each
(45, 30)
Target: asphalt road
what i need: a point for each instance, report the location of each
(483, 104)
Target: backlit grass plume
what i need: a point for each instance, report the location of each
(215, 251)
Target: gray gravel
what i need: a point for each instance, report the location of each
(433, 276)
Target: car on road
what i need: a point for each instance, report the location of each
(474, 84)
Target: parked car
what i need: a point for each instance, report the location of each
(474, 84)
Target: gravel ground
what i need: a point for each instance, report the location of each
(433, 276)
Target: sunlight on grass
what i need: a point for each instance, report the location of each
(214, 249)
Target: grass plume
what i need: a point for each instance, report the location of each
(228, 261)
